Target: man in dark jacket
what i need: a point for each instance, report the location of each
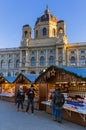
(30, 94)
(59, 101)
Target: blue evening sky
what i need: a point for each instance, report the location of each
(16, 13)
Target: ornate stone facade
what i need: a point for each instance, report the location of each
(48, 47)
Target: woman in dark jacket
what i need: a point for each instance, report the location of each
(20, 98)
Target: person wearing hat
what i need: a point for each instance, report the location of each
(59, 101)
(20, 98)
(30, 94)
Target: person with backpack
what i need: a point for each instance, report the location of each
(59, 101)
(30, 94)
(20, 98)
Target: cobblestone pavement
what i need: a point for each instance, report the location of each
(10, 119)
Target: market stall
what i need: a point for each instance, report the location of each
(7, 88)
(26, 80)
(72, 84)
(9, 85)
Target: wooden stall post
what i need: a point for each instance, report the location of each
(42, 95)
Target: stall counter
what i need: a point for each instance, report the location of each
(70, 112)
(7, 97)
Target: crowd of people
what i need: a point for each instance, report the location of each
(20, 97)
(57, 101)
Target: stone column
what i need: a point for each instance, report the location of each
(7, 62)
(46, 57)
(37, 60)
(56, 57)
(77, 59)
(68, 60)
(27, 59)
(20, 58)
(64, 58)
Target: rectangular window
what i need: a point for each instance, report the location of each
(72, 52)
(52, 51)
(33, 52)
(42, 52)
(82, 51)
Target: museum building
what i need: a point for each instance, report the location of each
(48, 47)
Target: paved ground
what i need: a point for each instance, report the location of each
(10, 119)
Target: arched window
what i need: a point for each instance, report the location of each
(33, 61)
(44, 31)
(82, 60)
(51, 60)
(36, 33)
(17, 63)
(72, 60)
(60, 30)
(10, 64)
(9, 74)
(25, 33)
(3, 64)
(42, 61)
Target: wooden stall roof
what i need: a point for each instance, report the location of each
(6, 79)
(25, 78)
(10, 79)
(3, 80)
(79, 73)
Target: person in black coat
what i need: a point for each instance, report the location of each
(30, 94)
(20, 98)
